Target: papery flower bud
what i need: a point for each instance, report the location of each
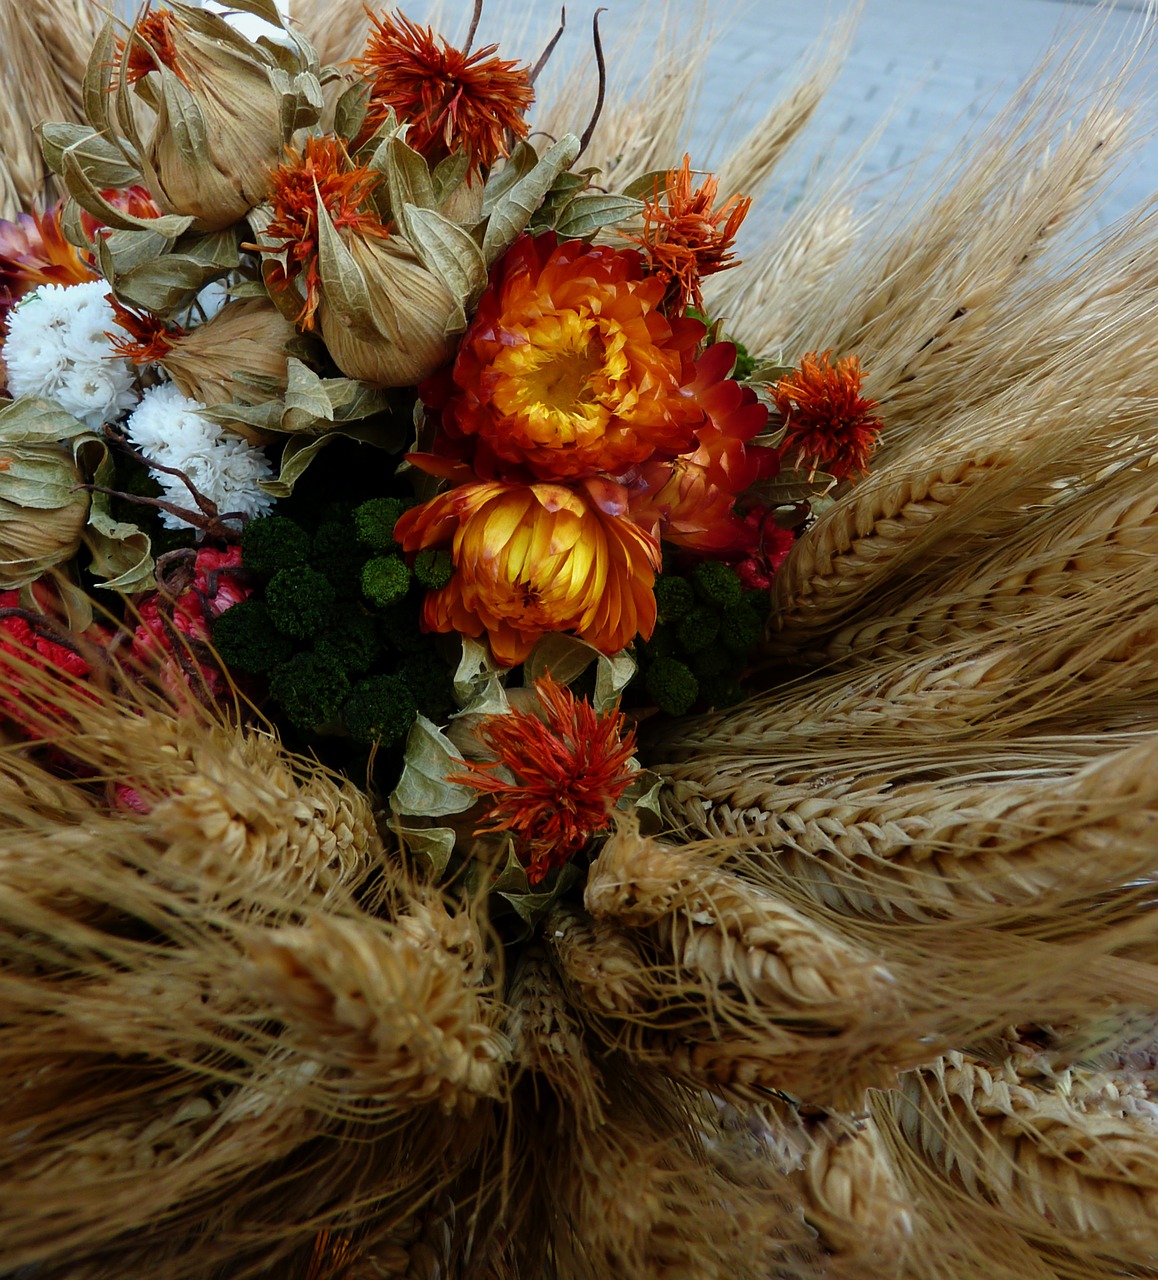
(247, 336)
(411, 307)
(43, 510)
(335, 249)
(219, 172)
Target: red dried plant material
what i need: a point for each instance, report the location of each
(569, 771)
(451, 100)
(684, 238)
(831, 426)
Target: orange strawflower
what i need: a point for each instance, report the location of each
(533, 559)
(451, 101)
(569, 368)
(684, 238)
(321, 171)
(830, 425)
(569, 769)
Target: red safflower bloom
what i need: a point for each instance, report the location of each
(569, 769)
(830, 425)
(449, 100)
(320, 172)
(684, 238)
(150, 338)
(569, 368)
(533, 559)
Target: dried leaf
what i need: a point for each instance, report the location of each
(423, 789)
(121, 553)
(342, 280)
(103, 164)
(350, 110)
(435, 844)
(515, 208)
(448, 251)
(88, 196)
(586, 214)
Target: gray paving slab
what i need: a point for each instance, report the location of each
(935, 71)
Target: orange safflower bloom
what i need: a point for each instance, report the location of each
(450, 100)
(569, 368)
(830, 425)
(151, 43)
(320, 172)
(569, 770)
(533, 559)
(684, 238)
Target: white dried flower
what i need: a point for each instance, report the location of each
(58, 348)
(167, 428)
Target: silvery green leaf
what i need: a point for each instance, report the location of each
(350, 110)
(408, 180)
(300, 451)
(435, 844)
(449, 252)
(121, 553)
(186, 120)
(478, 680)
(120, 251)
(585, 214)
(41, 477)
(423, 788)
(353, 401)
(449, 175)
(259, 417)
(103, 164)
(513, 877)
(249, 289)
(612, 676)
(306, 402)
(169, 225)
(301, 103)
(71, 225)
(30, 420)
(165, 285)
(98, 77)
(642, 799)
(219, 249)
(771, 372)
(501, 179)
(266, 10)
(564, 657)
(644, 187)
(514, 209)
(342, 281)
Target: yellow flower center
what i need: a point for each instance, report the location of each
(565, 383)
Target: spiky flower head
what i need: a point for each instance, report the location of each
(830, 425)
(320, 175)
(557, 776)
(685, 238)
(449, 99)
(534, 559)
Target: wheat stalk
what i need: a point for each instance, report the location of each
(987, 832)
(400, 1023)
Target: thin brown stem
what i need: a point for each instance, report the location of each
(601, 63)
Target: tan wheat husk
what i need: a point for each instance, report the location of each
(983, 828)
(1068, 1162)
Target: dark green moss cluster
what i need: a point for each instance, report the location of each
(333, 624)
(707, 626)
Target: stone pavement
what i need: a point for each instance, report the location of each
(933, 71)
